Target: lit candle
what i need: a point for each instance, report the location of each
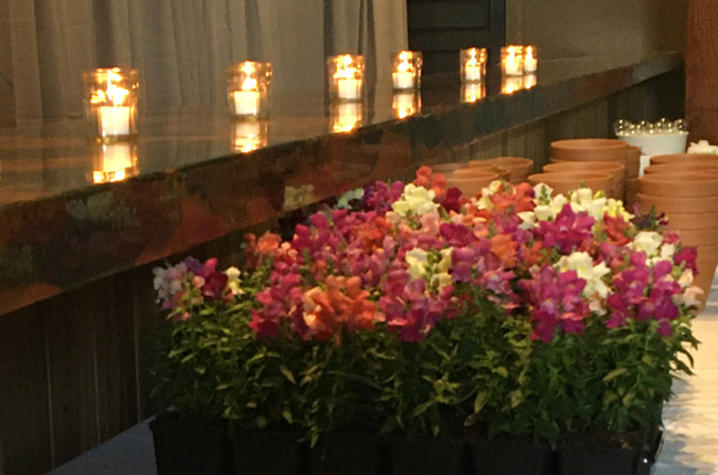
(530, 60)
(404, 75)
(512, 60)
(348, 88)
(114, 120)
(473, 64)
(346, 75)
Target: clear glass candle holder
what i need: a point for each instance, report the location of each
(473, 92)
(112, 162)
(345, 116)
(248, 135)
(111, 96)
(346, 77)
(472, 62)
(530, 60)
(511, 84)
(248, 89)
(406, 72)
(405, 103)
(512, 60)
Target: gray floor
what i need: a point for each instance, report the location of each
(691, 422)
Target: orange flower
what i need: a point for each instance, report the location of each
(505, 248)
(268, 243)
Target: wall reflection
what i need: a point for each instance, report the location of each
(114, 162)
(511, 84)
(473, 91)
(406, 103)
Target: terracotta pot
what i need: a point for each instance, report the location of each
(706, 263)
(689, 221)
(707, 168)
(471, 186)
(631, 192)
(589, 149)
(683, 157)
(563, 182)
(519, 167)
(448, 167)
(699, 237)
(616, 169)
(470, 171)
(668, 204)
(633, 161)
(679, 185)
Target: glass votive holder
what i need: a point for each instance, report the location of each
(248, 135)
(512, 60)
(346, 77)
(112, 162)
(530, 80)
(406, 103)
(473, 92)
(345, 116)
(472, 63)
(511, 84)
(530, 60)
(111, 96)
(406, 72)
(248, 88)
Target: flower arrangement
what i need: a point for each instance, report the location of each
(414, 309)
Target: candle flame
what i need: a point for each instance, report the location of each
(529, 53)
(112, 94)
(405, 64)
(344, 68)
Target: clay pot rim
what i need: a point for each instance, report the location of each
(661, 168)
(516, 161)
(573, 175)
(680, 177)
(472, 178)
(619, 159)
(588, 143)
(676, 200)
(588, 164)
(687, 157)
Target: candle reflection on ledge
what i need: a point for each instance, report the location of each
(472, 92)
(511, 84)
(345, 116)
(405, 104)
(248, 135)
(530, 80)
(114, 162)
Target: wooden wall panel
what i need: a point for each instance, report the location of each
(24, 409)
(702, 69)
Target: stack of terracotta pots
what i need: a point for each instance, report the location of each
(685, 188)
(471, 177)
(600, 164)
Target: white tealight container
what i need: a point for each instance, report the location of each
(346, 76)
(407, 70)
(111, 96)
(114, 121)
(348, 89)
(248, 88)
(512, 60)
(473, 64)
(246, 102)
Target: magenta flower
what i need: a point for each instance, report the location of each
(568, 232)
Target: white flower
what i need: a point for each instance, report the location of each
(690, 296)
(667, 251)
(349, 196)
(543, 212)
(582, 263)
(647, 241)
(528, 219)
(416, 200)
(232, 274)
(542, 193)
(416, 258)
(686, 279)
(703, 147)
(548, 211)
(583, 199)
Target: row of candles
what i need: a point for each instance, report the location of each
(111, 105)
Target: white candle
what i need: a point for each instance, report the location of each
(114, 120)
(246, 102)
(530, 64)
(403, 80)
(472, 73)
(348, 88)
(512, 65)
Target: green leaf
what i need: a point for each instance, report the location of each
(287, 374)
(481, 399)
(614, 374)
(287, 414)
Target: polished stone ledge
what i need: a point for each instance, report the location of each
(58, 232)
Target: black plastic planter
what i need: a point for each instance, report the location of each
(515, 456)
(349, 453)
(267, 452)
(426, 456)
(188, 445)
